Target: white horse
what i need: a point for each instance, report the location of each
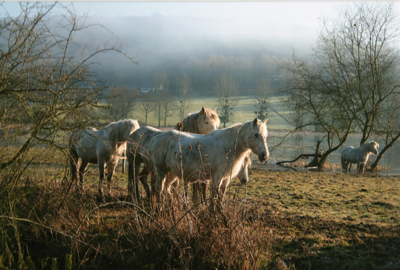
(358, 155)
(218, 155)
(138, 154)
(243, 176)
(202, 122)
(103, 146)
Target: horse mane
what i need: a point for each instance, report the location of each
(375, 143)
(115, 129)
(189, 123)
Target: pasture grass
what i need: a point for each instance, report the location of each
(279, 220)
(243, 111)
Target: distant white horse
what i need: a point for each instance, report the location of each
(103, 146)
(218, 155)
(358, 155)
(202, 122)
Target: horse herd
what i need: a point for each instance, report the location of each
(195, 152)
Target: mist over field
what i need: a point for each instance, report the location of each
(201, 48)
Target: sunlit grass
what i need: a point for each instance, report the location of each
(243, 111)
(298, 220)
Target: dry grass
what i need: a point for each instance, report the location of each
(280, 220)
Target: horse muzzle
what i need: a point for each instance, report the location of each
(263, 156)
(244, 180)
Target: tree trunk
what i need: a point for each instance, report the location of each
(317, 156)
(390, 144)
(159, 116)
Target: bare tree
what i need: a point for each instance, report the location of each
(46, 86)
(47, 89)
(359, 51)
(184, 94)
(161, 84)
(388, 127)
(350, 75)
(261, 103)
(146, 105)
(226, 89)
(317, 105)
(122, 100)
(168, 105)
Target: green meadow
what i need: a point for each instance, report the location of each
(243, 111)
(280, 220)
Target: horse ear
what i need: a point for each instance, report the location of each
(265, 121)
(215, 110)
(203, 111)
(179, 125)
(255, 122)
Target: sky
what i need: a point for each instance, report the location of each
(245, 16)
(246, 12)
(252, 17)
(175, 36)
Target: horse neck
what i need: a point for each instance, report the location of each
(366, 149)
(236, 140)
(113, 138)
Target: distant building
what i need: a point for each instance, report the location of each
(147, 88)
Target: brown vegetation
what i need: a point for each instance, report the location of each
(280, 220)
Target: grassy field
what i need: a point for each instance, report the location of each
(279, 220)
(243, 111)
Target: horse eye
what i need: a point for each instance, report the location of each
(206, 123)
(256, 135)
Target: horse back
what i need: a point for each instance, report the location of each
(140, 141)
(84, 143)
(198, 156)
(189, 123)
(350, 154)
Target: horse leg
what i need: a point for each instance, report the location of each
(101, 178)
(82, 170)
(73, 161)
(175, 186)
(344, 165)
(223, 187)
(143, 179)
(153, 197)
(215, 203)
(131, 173)
(110, 172)
(157, 184)
(170, 183)
(360, 168)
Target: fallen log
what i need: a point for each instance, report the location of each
(318, 154)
